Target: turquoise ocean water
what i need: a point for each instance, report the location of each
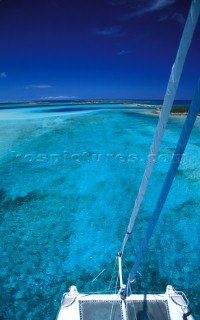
(68, 183)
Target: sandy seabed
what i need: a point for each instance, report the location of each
(68, 185)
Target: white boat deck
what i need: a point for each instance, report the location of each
(167, 306)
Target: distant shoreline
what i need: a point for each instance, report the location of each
(175, 111)
(46, 109)
(92, 101)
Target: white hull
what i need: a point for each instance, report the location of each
(170, 305)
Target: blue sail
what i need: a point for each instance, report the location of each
(167, 104)
(181, 145)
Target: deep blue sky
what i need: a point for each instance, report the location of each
(93, 49)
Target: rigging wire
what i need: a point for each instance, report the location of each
(112, 274)
(100, 274)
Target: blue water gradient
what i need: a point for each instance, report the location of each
(68, 186)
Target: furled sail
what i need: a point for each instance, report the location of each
(167, 105)
(184, 136)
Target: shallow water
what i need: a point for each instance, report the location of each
(67, 190)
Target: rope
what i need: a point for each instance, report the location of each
(111, 312)
(181, 145)
(112, 274)
(116, 283)
(113, 301)
(98, 275)
(91, 281)
(167, 105)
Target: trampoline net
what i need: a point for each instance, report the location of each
(112, 310)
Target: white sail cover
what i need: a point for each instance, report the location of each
(167, 105)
